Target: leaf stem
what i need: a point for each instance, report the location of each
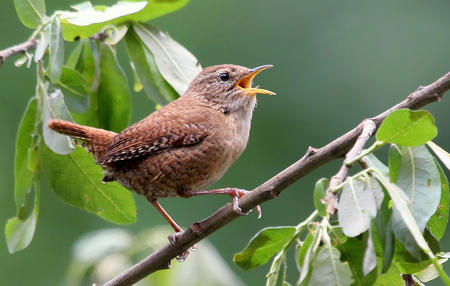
(298, 231)
(441, 271)
(375, 146)
(356, 176)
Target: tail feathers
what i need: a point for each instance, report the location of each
(97, 140)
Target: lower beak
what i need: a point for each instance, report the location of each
(246, 82)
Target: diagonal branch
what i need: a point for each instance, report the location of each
(312, 159)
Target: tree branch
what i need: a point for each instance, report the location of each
(31, 44)
(368, 128)
(312, 159)
(17, 49)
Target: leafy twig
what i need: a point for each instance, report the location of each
(31, 44)
(313, 159)
(368, 128)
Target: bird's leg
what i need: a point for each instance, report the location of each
(235, 193)
(178, 230)
(174, 225)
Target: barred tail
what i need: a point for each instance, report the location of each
(96, 139)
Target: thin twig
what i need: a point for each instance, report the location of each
(368, 128)
(31, 44)
(17, 49)
(271, 188)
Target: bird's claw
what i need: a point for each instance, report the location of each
(237, 194)
(182, 256)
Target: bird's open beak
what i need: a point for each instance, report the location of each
(245, 83)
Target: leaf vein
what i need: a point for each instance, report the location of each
(97, 188)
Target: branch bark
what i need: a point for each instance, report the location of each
(312, 159)
(17, 49)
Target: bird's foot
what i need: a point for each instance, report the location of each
(236, 194)
(182, 256)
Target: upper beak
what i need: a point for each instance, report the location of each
(245, 82)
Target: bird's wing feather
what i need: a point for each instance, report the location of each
(151, 136)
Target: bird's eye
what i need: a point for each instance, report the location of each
(224, 76)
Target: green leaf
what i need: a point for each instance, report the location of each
(25, 59)
(353, 252)
(19, 232)
(263, 246)
(370, 258)
(407, 263)
(89, 67)
(328, 269)
(400, 204)
(432, 241)
(429, 273)
(76, 89)
(391, 278)
(358, 204)
(384, 232)
(337, 236)
(175, 63)
(23, 176)
(85, 188)
(42, 44)
(75, 56)
(87, 14)
(305, 248)
(56, 51)
(55, 107)
(395, 161)
(137, 87)
(407, 128)
(88, 20)
(419, 178)
(443, 155)
(91, 64)
(146, 71)
(114, 103)
(31, 12)
(438, 222)
(277, 272)
(319, 194)
(116, 34)
(373, 162)
(307, 255)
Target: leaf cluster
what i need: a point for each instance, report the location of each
(88, 87)
(389, 221)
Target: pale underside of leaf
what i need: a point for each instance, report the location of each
(55, 108)
(176, 64)
(443, 155)
(419, 178)
(329, 270)
(357, 205)
(88, 15)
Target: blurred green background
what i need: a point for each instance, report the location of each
(336, 62)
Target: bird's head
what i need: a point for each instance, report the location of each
(228, 87)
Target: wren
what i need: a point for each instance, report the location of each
(183, 147)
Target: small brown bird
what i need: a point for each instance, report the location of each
(185, 146)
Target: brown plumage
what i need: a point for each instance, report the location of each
(97, 140)
(183, 147)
